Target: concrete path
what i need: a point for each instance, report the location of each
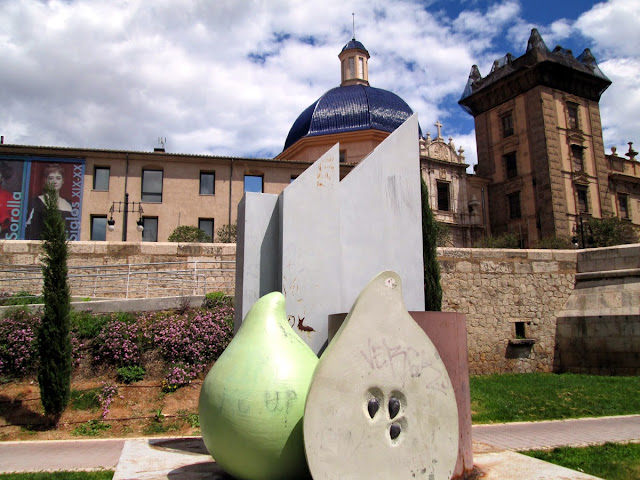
(541, 435)
(60, 455)
(95, 454)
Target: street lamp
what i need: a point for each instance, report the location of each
(125, 207)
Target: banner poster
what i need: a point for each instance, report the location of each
(22, 181)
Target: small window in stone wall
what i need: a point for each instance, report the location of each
(520, 330)
(573, 122)
(507, 125)
(511, 165)
(443, 196)
(623, 202)
(583, 199)
(577, 158)
(513, 201)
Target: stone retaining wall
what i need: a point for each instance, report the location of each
(121, 269)
(496, 289)
(598, 329)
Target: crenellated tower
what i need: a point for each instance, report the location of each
(539, 140)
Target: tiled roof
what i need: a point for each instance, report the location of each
(353, 43)
(350, 108)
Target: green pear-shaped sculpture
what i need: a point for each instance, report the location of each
(253, 398)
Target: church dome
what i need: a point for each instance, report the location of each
(350, 108)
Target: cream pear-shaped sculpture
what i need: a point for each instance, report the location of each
(381, 404)
(252, 400)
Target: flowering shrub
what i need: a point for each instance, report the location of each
(105, 396)
(190, 340)
(194, 341)
(18, 352)
(117, 343)
(180, 375)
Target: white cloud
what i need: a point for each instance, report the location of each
(229, 77)
(613, 26)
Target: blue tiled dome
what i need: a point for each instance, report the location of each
(350, 108)
(353, 43)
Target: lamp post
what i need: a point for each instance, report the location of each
(125, 207)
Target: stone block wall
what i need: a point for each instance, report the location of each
(599, 328)
(600, 345)
(125, 269)
(498, 289)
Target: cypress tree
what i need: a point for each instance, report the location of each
(432, 288)
(54, 341)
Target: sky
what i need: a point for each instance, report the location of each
(229, 77)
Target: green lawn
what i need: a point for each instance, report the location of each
(546, 396)
(611, 461)
(99, 475)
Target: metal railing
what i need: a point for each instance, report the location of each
(135, 280)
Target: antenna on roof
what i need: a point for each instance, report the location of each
(354, 25)
(161, 142)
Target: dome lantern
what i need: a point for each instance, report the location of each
(354, 63)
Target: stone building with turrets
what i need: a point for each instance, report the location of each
(539, 139)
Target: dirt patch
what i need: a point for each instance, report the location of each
(140, 409)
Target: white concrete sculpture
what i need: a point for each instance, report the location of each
(381, 404)
(333, 236)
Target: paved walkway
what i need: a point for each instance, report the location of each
(540, 435)
(93, 454)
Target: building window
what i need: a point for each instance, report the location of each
(207, 183)
(623, 202)
(101, 178)
(583, 200)
(253, 183)
(443, 196)
(152, 186)
(514, 205)
(352, 68)
(98, 228)
(572, 116)
(511, 165)
(343, 156)
(150, 232)
(206, 225)
(577, 158)
(360, 67)
(507, 125)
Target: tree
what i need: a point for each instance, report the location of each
(54, 341)
(606, 232)
(188, 234)
(506, 240)
(228, 233)
(432, 288)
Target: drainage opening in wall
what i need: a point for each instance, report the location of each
(520, 339)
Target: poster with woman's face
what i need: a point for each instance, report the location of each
(66, 177)
(11, 198)
(22, 181)
(60, 175)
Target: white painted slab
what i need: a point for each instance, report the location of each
(310, 242)
(257, 254)
(380, 218)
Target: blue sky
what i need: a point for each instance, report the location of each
(229, 77)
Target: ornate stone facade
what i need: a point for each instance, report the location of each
(453, 202)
